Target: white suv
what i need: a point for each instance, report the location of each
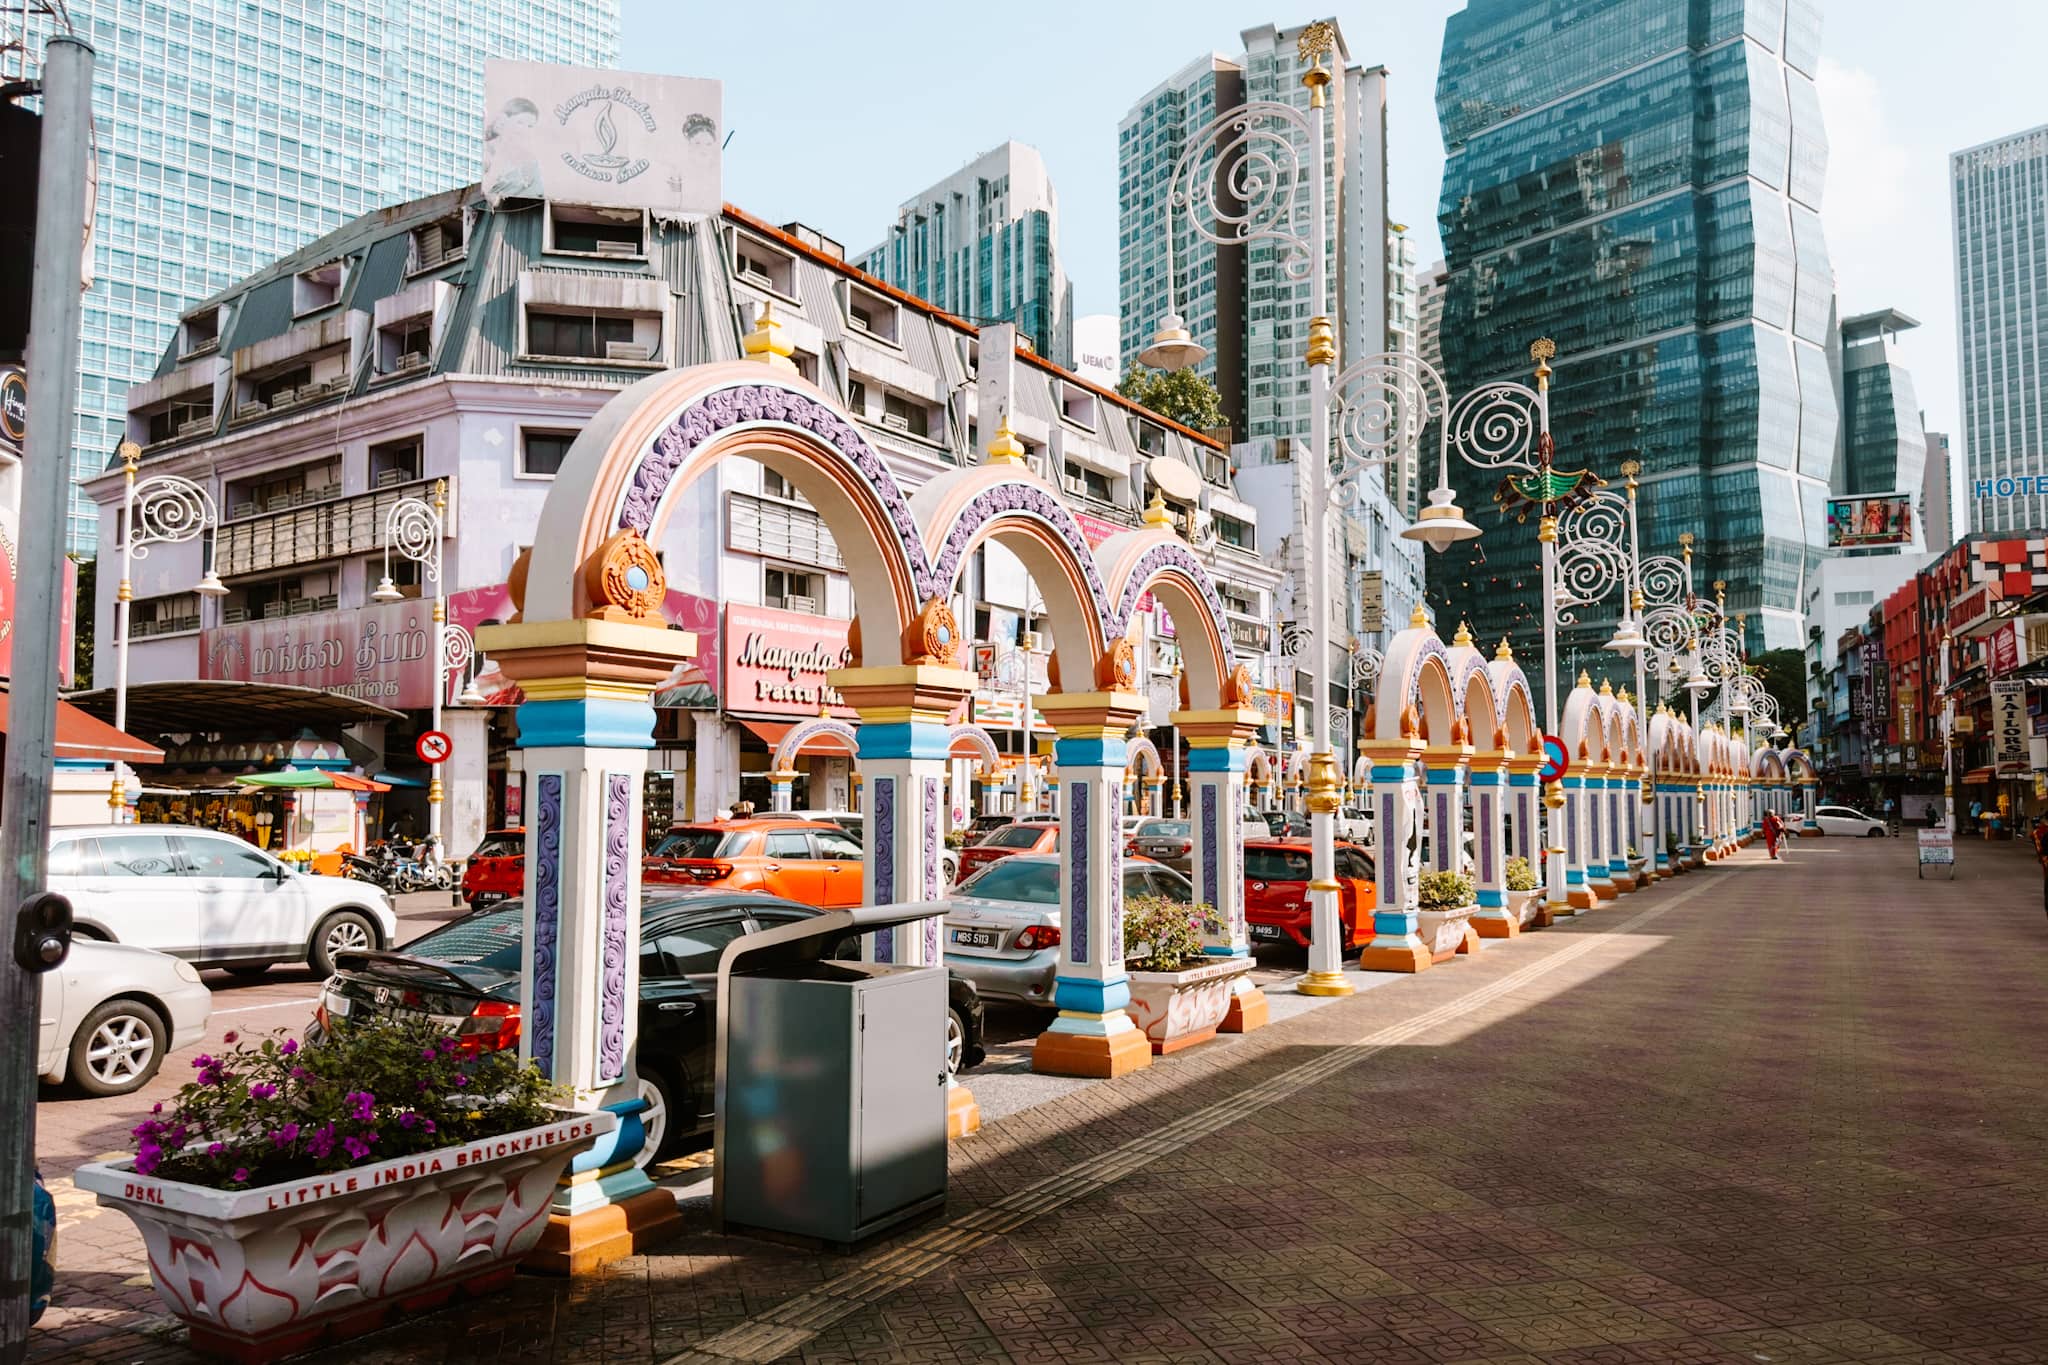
(211, 898)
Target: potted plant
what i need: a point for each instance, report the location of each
(1524, 899)
(290, 1193)
(1179, 993)
(1445, 912)
(1638, 865)
(1672, 862)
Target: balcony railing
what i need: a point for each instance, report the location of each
(351, 525)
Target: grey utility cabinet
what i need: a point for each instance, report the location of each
(831, 1122)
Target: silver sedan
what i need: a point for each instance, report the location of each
(1003, 924)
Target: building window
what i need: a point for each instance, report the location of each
(541, 452)
(170, 615)
(1231, 531)
(1092, 483)
(793, 589)
(579, 231)
(285, 385)
(395, 462)
(403, 347)
(582, 336)
(872, 315)
(317, 288)
(764, 267)
(1077, 405)
(200, 332)
(775, 486)
(857, 397)
(906, 415)
(438, 243)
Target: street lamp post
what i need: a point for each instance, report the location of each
(164, 509)
(415, 529)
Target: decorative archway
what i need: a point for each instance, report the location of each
(782, 773)
(1142, 761)
(1416, 706)
(1584, 732)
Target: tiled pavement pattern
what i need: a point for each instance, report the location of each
(1779, 1112)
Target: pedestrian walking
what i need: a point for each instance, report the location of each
(2041, 854)
(1774, 830)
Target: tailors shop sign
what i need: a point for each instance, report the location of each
(382, 654)
(776, 662)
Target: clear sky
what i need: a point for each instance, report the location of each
(838, 112)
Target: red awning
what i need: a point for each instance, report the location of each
(80, 736)
(773, 732)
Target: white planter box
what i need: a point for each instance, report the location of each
(1179, 1009)
(1524, 904)
(1443, 931)
(266, 1272)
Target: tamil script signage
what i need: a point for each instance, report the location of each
(776, 662)
(612, 139)
(382, 654)
(2010, 727)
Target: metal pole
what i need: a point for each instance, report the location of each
(435, 790)
(55, 306)
(1325, 958)
(1546, 535)
(124, 594)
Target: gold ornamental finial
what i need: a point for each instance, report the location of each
(1505, 654)
(131, 455)
(1542, 350)
(767, 344)
(1316, 41)
(1005, 448)
(1546, 530)
(1418, 619)
(1585, 679)
(1156, 513)
(1463, 639)
(1606, 687)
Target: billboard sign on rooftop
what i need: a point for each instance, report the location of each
(605, 139)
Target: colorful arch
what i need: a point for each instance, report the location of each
(803, 732)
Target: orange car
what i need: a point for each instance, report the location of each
(812, 861)
(1276, 877)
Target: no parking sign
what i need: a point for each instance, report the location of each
(1555, 764)
(433, 746)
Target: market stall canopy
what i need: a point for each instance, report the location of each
(188, 707)
(313, 779)
(85, 737)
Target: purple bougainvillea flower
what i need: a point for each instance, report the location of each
(262, 1090)
(201, 1062)
(447, 1045)
(357, 1148)
(300, 1073)
(147, 1158)
(241, 1176)
(229, 1036)
(215, 1148)
(291, 1045)
(408, 1120)
(429, 1124)
(361, 1104)
(428, 1054)
(460, 1080)
(320, 1141)
(286, 1136)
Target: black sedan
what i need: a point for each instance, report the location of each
(465, 977)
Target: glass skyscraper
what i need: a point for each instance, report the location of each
(1884, 447)
(1640, 180)
(232, 131)
(984, 244)
(2001, 221)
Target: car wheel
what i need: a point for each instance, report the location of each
(342, 932)
(657, 1090)
(117, 1049)
(1875, 832)
(249, 971)
(956, 1040)
(949, 868)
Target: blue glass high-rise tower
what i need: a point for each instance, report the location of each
(1641, 181)
(232, 131)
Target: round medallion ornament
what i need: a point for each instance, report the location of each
(625, 581)
(934, 637)
(1238, 688)
(1117, 669)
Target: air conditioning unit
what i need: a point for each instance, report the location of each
(410, 360)
(754, 275)
(248, 410)
(618, 248)
(627, 350)
(803, 604)
(895, 421)
(859, 323)
(197, 426)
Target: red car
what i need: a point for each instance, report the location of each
(497, 869)
(1276, 877)
(1022, 836)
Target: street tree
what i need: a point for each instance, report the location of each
(1185, 396)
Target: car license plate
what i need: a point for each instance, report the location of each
(1162, 850)
(977, 938)
(1266, 931)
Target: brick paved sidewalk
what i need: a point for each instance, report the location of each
(1776, 1112)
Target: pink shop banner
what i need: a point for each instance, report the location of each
(382, 654)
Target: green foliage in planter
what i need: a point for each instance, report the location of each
(1445, 890)
(1630, 853)
(1520, 876)
(259, 1114)
(956, 839)
(1165, 935)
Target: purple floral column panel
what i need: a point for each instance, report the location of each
(1444, 845)
(611, 1013)
(1211, 877)
(885, 861)
(547, 915)
(1485, 837)
(1116, 870)
(931, 866)
(1077, 879)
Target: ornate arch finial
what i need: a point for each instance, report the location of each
(767, 344)
(1156, 514)
(1117, 669)
(933, 637)
(1606, 687)
(624, 580)
(1585, 679)
(1463, 639)
(1418, 619)
(1004, 447)
(1411, 724)
(1505, 653)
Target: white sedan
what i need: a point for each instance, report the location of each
(112, 1012)
(1852, 824)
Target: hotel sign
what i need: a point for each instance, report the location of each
(611, 139)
